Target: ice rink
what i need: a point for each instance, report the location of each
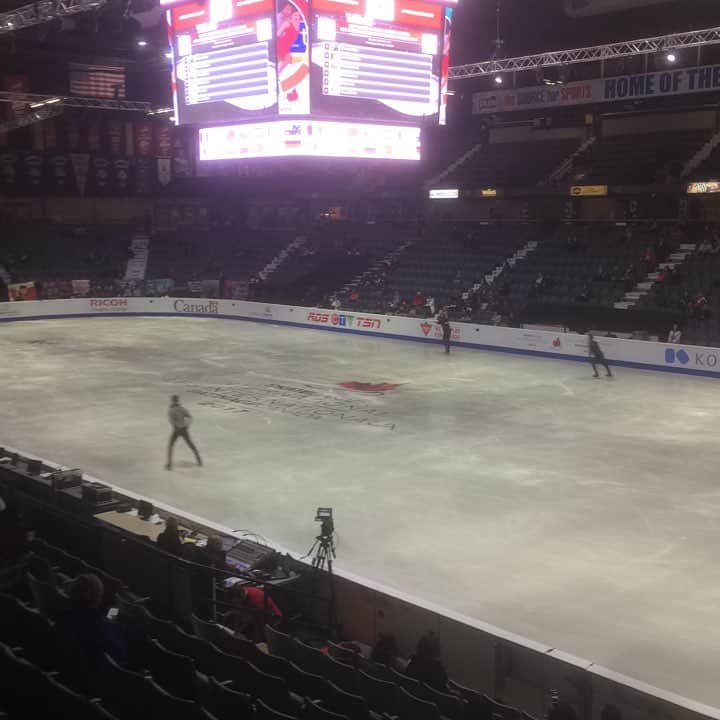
(581, 513)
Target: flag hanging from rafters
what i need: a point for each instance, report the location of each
(101, 81)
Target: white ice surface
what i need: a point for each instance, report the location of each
(581, 513)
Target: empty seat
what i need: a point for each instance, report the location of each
(410, 707)
(343, 654)
(451, 706)
(279, 642)
(315, 711)
(175, 673)
(354, 706)
(263, 711)
(272, 664)
(306, 684)
(228, 704)
(309, 658)
(380, 694)
(341, 674)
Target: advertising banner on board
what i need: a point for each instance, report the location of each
(22, 291)
(626, 87)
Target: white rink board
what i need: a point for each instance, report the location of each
(691, 360)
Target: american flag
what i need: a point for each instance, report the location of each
(102, 81)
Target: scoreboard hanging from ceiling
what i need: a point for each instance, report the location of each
(330, 61)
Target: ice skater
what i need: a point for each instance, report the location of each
(597, 357)
(180, 420)
(443, 320)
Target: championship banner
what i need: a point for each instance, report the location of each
(81, 165)
(8, 170)
(80, 288)
(626, 87)
(121, 175)
(34, 164)
(22, 291)
(143, 139)
(163, 140)
(142, 176)
(115, 138)
(56, 289)
(101, 175)
(164, 167)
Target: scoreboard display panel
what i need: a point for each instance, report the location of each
(356, 62)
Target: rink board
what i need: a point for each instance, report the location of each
(688, 359)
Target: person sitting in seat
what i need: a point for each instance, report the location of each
(169, 539)
(84, 625)
(425, 664)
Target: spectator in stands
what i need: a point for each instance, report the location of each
(212, 554)
(257, 609)
(386, 652)
(85, 627)
(675, 334)
(430, 305)
(705, 246)
(649, 259)
(700, 308)
(418, 302)
(169, 539)
(354, 297)
(425, 664)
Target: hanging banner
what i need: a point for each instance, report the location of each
(445, 66)
(93, 137)
(626, 87)
(80, 288)
(50, 130)
(115, 137)
(702, 188)
(100, 175)
(34, 164)
(164, 166)
(81, 165)
(142, 175)
(121, 175)
(8, 170)
(22, 291)
(163, 140)
(59, 173)
(143, 139)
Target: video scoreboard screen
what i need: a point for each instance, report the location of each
(352, 61)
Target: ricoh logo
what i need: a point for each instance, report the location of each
(343, 320)
(207, 308)
(112, 304)
(696, 359)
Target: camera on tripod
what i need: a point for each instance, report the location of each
(325, 517)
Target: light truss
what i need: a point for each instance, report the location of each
(644, 46)
(44, 11)
(76, 102)
(31, 117)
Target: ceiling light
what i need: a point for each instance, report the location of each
(498, 80)
(142, 43)
(671, 57)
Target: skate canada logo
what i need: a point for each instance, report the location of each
(697, 359)
(108, 304)
(343, 320)
(426, 327)
(201, 308)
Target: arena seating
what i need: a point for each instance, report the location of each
(191, 254)
(521, 164)
(447, 261)
(202, 671)
(49, 252)
(654, 157)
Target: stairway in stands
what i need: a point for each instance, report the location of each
(644, 286)
(282, 256)
(137, 265)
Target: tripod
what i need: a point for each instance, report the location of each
(324, 549)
